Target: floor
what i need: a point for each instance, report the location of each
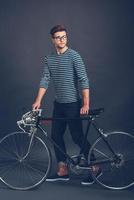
(66, 190)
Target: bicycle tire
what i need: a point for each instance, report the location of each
(116, 174)
(23, 174)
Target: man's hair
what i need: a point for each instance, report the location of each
(57, 28)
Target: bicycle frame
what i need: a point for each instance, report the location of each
(91, 121)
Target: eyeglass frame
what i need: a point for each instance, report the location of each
(64, 37)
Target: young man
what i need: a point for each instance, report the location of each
(66, 69)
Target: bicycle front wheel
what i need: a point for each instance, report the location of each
(118, 167)
(22, 172)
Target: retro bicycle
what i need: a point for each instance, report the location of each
(25, 156)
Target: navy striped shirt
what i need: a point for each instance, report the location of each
(68, 74)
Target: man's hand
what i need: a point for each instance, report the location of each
(85, 97)
(84, 110)
(36, 105)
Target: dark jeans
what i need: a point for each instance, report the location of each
(68, 110)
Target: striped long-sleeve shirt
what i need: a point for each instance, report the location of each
(68, 74)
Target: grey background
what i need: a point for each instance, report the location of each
(101, 31)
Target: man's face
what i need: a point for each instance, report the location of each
(60, 39)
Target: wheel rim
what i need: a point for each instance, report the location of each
(117, 173)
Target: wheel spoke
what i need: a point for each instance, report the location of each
(118, 173)
(17, 172)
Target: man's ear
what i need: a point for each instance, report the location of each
(52, 39)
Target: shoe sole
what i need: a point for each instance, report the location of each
(57, 179)
(90, 183)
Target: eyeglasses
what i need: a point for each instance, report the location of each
(58, 38)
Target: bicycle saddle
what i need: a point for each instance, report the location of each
(95, 112)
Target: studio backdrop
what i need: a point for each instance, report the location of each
(100, 30)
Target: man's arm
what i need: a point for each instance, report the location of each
(86, 101)
(83, 81)
(43, 86)
(37, 103)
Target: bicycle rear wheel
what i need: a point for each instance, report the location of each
(22, 173)
(117, 171)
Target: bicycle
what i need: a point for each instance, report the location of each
(25, 158)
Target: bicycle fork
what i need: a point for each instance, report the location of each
(30, 144)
